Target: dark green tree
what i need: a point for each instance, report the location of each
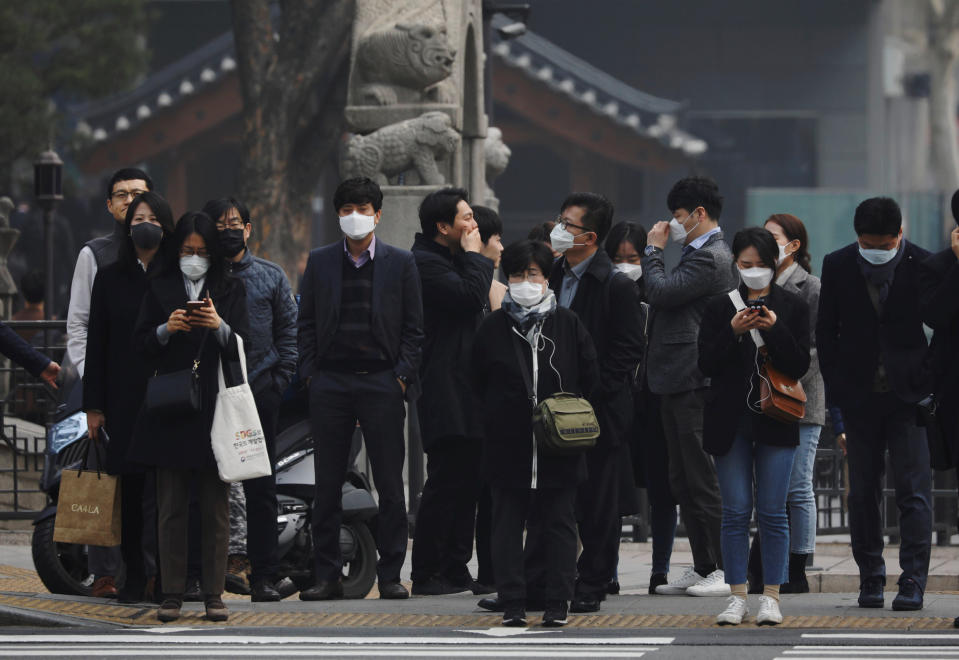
(53, 52)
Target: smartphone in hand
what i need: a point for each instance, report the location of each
(194, 306)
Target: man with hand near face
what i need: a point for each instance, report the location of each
(872, 353)
(271, 355)
(456, 274)
(678, 299)
(360, 335)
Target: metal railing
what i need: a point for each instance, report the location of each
(28, 406)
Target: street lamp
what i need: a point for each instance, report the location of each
(48, 189)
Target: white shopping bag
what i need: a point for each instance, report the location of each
(237, 435)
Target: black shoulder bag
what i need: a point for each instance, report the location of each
(177, 392)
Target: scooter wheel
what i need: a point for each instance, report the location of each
(359, 571)
(62, 567)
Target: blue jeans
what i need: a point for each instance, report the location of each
(802, 501)
(771, 466)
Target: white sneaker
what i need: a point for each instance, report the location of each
(678, 588)
(735, 611)
(769, 614)
(713, 584)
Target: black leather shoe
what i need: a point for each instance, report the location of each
(909, 597)
(655, 580)
(323, 591)
(584, 605)
(393, 591)
(263, 591)
(496, 605)
(613, 588)
(436, 586)
(481, 589)
(870, 592)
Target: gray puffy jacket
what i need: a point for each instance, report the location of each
(271, 355)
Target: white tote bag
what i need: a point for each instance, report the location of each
(237, 435)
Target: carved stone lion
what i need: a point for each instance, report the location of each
(404, 64)
(414, 144)
(497, 158)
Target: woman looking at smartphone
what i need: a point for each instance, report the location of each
(115, 378)
(747, 444)
(179, 447)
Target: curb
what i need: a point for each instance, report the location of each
(17, 616)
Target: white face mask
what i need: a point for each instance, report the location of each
(560, 239)
(878, 257)
(356, 225)
(526, 293)
(632, 271)
(756, 278)
(194, 266)
(677, 229)
(782, 253)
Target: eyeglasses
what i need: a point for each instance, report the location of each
(190, 252)
(123, 195)
(232, 223)
(566, 224)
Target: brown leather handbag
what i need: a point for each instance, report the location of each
(781, 397)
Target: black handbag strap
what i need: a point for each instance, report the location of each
(522, 368)
(199, 352)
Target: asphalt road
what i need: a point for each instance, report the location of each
(746, 642)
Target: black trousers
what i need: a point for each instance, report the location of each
(484, 541)
(132, 489)
(600, 525)
(337, 402)
(548, 514)
(885, 422)
(445, 522)
(261, 509)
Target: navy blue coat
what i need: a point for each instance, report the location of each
(15, 348)
(397, 315)
(850, 334)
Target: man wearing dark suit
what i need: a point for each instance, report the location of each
(678, 299)
(872, 351)
(607, 303)
(360, 331)
(455, 270)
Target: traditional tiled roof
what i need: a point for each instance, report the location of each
(537, 57)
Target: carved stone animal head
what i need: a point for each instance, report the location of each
(497, 153)
(414, 56)
(435, 130)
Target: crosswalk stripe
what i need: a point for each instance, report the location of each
(584, 652)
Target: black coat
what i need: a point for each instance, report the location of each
(850, 335)
(730, 363)
(397, 308)
(115, 375)
(939, 292)
(506, 412)
(184, 442)
(607, 302)
(14, 347)
(455, 293)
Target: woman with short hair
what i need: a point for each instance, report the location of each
(530, 489)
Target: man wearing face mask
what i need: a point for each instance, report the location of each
(456, 271)
(678, 299)
(872, 352)
(360, 333)
(607, 303)
(271, 355)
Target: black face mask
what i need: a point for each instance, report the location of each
(146, 235)
(232, 242)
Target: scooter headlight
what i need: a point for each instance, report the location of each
(67, 431)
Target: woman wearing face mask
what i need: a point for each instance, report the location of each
(794, 274)
(624, 245)
(529, 489)
(745, 442)
(115, 378)
(178, 446)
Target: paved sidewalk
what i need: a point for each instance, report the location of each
(24, 601)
